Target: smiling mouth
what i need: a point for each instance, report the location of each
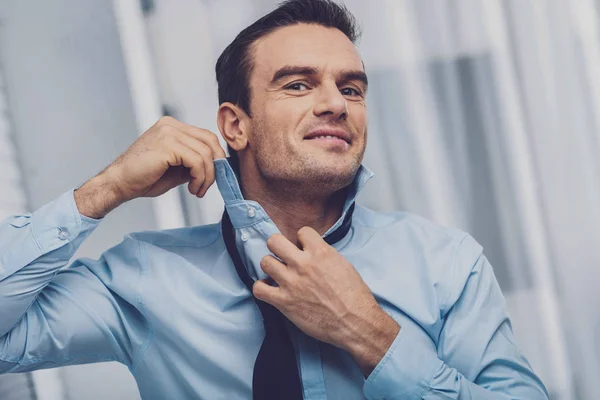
(329, 141)
(329, 136)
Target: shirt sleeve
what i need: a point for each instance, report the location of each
(52, 316)
(475, 357)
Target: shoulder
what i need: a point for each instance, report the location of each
(403, 222)
(195, 236)
(447, 254)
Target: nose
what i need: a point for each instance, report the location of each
(331, 103)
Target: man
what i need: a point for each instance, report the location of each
(297, 292)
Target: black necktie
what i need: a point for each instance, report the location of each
(275, 369)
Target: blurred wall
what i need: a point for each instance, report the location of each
(12, 201)
(72, 114)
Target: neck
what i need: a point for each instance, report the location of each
(294, 207)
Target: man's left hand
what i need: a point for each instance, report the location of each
(323, 295)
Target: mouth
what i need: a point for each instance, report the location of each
(333, 136)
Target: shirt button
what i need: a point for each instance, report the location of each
(244, 237)
(251, 212)
(63, 234)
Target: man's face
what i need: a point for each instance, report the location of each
(308, 82)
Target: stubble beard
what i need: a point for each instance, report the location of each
(296, 174)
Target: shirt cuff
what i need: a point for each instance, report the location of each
(57, 228)
(59, 222)
(407, 369)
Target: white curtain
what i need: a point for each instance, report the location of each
(484, 115)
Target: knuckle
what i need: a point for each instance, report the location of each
(165, 119)
(165, 132)
(204, 151)
(321, 251)
(323, 247)
(308, 266)
(198, 170)
(212, 137)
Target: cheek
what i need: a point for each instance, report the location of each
(270, 132)
(360, 120)
(289, 111)
(285, 118)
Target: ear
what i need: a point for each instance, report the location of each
(232, 120)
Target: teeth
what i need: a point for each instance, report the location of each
(327, 137)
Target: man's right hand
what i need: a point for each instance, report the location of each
(166, 155)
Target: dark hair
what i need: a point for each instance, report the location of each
(235, 63)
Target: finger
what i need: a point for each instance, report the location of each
(206, 136)
(308, 237)
(192, 160)
(206, 154)
(283, 248)
(275, 269)
(267, 293)
(210, 176)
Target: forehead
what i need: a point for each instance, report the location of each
(326, 49)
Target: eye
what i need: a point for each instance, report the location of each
(298, 86)
(349, 91)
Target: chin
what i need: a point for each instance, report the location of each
(337, 171)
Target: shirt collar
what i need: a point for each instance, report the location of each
(244, 212)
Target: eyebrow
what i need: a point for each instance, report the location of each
(290, 70)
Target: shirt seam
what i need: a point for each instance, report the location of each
(150, 334)
(61, 361)
(446, 301)
(32, 233)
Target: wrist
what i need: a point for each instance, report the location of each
(97, 197)
(369, 339)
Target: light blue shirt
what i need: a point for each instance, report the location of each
(170, 306)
